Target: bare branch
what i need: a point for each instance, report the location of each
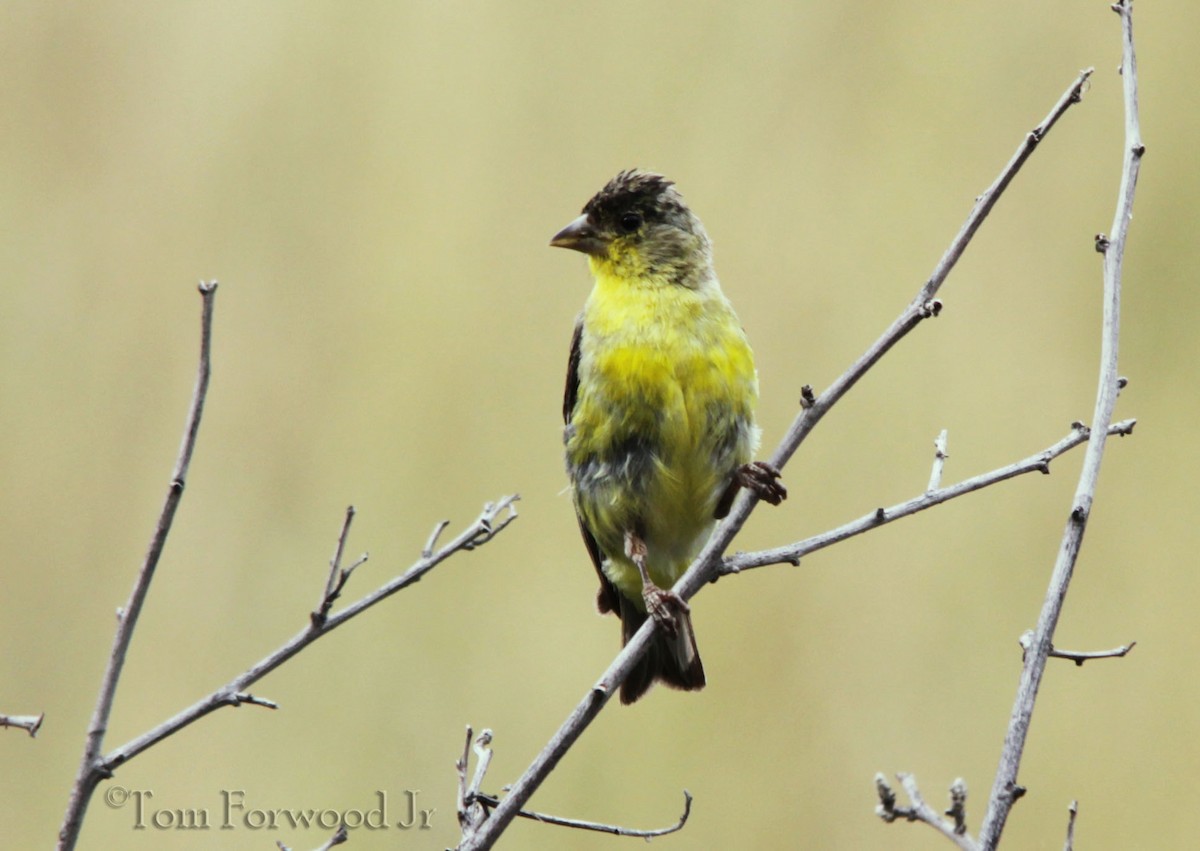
(1005, 784)
(94, 767)
(792, 553)
(925, 305)
(922, 812)
(335, 583)
(89, 774)
(1076, 656)
(473, 805)
(494, 518)
(29, 723)
(1072, 811)
(600, 827)
(707, 564)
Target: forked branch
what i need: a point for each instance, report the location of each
(91, 771)
(96, 766)
(1005, 784)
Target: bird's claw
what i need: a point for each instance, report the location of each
(665, 606)
(762, 480)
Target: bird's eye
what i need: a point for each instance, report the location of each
(630, 222)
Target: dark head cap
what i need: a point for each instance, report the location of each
(640, 219)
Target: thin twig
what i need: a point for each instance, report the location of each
(792, 553)
(337, 839)
(440, 527)
(483, 759)
(939, 462)
(333, 586)
(91, 770)
(1072, 811)
(470, 812)
(920, 811)
(1005, 784)
(1079, 657)
(706, 565)
(494, 518)
(473, 805)
(1076, 656)
(29, 723)
(600, 827)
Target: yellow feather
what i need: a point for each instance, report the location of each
(667, 384)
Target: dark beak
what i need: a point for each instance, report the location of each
(580, 236)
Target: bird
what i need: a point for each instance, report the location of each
(658, 411)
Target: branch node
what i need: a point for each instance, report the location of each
(1026, 642)
(958, 805)
(486, 527)
(337, 577)
(807, 399)
(919, 810)
(887, 799)
(931, 308)
(1102, 243)
(238, 698)
(939, 462)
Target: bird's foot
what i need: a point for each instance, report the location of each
(665, 606)
(762, 480)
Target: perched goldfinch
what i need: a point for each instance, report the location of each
(659, 411)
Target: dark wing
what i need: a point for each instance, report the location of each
(571, 393)
(607, 599)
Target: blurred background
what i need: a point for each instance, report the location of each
(374, 185)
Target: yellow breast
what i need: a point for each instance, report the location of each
(667, 390)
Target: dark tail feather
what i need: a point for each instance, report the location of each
(674, 661)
